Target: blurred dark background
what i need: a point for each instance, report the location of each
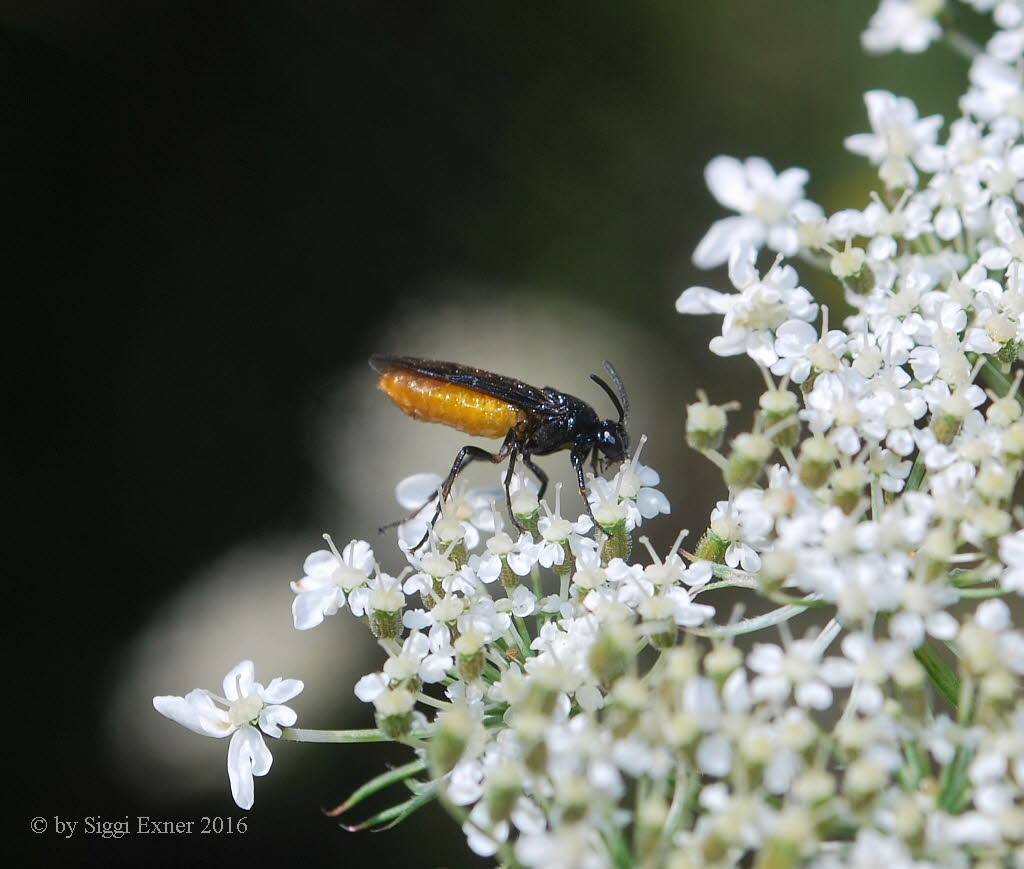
(214, 210)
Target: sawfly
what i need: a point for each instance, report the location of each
(532, 421)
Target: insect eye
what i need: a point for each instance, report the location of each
(611, 440)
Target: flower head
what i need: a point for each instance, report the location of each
(764, 203)
(329, 576)
(246, 708)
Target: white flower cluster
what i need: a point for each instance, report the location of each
(574, 707)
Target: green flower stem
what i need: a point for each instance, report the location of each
(877, 499)
(499, 662)
(734, 575)
(640, 793)
(379, 783)
(915, 766)
(982, 593)
(917, 473)
(963, 578)
(538, 587)
(943, 677)
(394, 815)
(811, 602)
(521, 632)
(682, 796)
(723, 583)
(993, 377)
(962, 44)
(954, 784)
(757, 623)
(432, 701)
(618, 850)
(827, 635)
(302, 734)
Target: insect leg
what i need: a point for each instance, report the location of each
(542, 478)
(412, 514)
(513, 452)
(466, 455)
(577, 457)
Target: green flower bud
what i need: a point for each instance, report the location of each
(613, 652)
(778, 415)
(574, 797)
(618, 543)
(711, 547)
(456, 727)
(949, 419)
(386, 606)
(651, 814)
(1013, 442)
(504, 787)
(848, 487)
(749, 454)
(1009, 352)
(394, 708)
(470, 659)
(721, 661)
(817, 461)
(705, 424)
(658, 622)
(862, 282)
(531, 729)
(777, 566)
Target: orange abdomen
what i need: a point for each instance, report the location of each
(433, 400)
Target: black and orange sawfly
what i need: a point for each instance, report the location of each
(533, 421)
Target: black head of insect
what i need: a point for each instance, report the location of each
(611, 438)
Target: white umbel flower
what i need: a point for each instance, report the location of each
(246, 708)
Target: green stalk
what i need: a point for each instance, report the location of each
(994, 377)
(915, 766)
(618, 850)
(757, 623)
(302, 734)
(877, 499)
(677, 810)
(943, 677)
(917, 473)
(393, 816)
(953, 783)
(378, 783)
(982, 593)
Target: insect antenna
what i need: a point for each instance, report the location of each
(618, 397)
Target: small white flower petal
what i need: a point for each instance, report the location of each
(725, 236)
(310, 607)
(280, 690)
(248, 756)
(319, 562)
(239, 680)
(415, 491)
(273, 718)
(371, 686)
(651, 503)
(814, 694)
(197, 711)
(714, 755)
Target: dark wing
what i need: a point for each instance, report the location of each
(497, 385)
